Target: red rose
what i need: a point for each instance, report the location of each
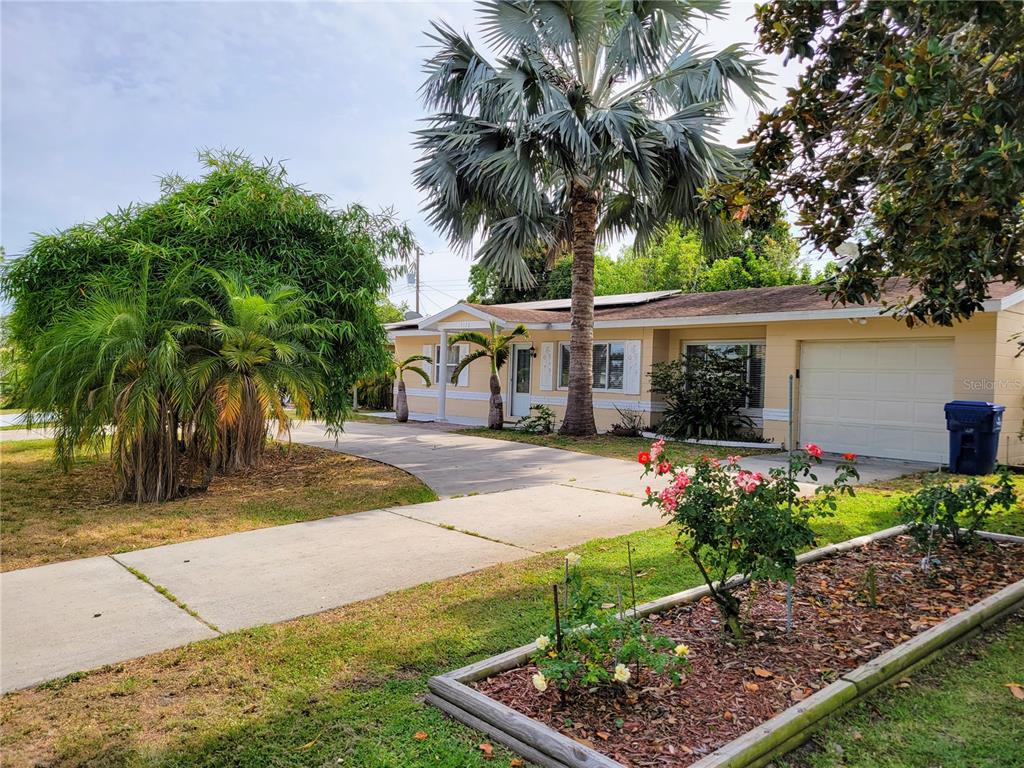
(643, 457)
(813, 450)
(850, 456)
(664, 468)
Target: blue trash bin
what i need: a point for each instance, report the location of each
(974, 428)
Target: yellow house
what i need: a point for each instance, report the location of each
(862, 381)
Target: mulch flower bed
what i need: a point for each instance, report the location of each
(731, 688)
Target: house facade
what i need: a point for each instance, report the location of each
(862, 381)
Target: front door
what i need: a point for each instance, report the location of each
(522, 367)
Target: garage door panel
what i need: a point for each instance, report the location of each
(934, 357)
(857, 356)
(893, 383)
(855, 383)
(815, 407)
(877, 398)
(821, 356)
(933, 385)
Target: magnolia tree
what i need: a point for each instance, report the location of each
(736, 522)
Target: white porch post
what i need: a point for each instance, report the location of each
(442, 368)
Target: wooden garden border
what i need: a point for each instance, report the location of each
(547, 747)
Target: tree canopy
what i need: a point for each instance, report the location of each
(904, 134)
(751, 258)
(241, 217)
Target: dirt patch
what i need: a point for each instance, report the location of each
(732, 688)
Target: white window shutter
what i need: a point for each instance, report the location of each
(464, 374)
(547, 365)
(631, 378)
(428, 352)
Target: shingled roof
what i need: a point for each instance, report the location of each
(744, 302)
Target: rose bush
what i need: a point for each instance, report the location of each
(734, 521)
(596, 642)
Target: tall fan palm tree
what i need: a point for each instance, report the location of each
(253, 352)
(495, 348)
(401, 367)
(115, 367)
(599, 118)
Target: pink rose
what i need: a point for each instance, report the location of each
(657, 448)
(813, 450)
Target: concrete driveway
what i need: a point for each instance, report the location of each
(455, 464)
(516, 500)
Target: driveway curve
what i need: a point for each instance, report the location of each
(455, 464)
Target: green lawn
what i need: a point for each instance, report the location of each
(956, 712)
(345, 687)
(614, 447)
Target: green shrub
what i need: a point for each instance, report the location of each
(703, 395)
(540, 422)
(954, 511)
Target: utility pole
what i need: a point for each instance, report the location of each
(417, 281)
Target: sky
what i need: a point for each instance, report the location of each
(100, 99)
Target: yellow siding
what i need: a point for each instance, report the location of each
(985, 366)
(1008, 384)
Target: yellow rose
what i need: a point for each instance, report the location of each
(682, 650)
(542, 642)
(621, 673)
(540, 682)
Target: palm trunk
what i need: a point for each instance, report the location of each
(401, 403)
(496, 413)
(579, 408)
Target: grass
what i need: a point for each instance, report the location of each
(613, 446)
(345, 687)
(956, 712)
(48, 516)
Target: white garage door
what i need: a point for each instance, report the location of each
(877, 398)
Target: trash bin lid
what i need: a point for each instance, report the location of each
(974, 405)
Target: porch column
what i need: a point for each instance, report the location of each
(442, 367)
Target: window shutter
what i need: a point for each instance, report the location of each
(631, 380)
(547, 365)
(464, 374)
(428, 351)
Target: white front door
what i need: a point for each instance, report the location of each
(520, 372)
(877, 398)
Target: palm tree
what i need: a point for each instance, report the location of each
(254, 352)
(400, 369)
(599, 118)
(115, 367)
(495, 348)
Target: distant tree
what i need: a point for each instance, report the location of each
(753, 256)
(389, 312)
(488, 285)
(593, 119)
(905, 134)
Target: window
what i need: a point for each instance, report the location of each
(609, 365)
(752, 353)
(454, 355)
